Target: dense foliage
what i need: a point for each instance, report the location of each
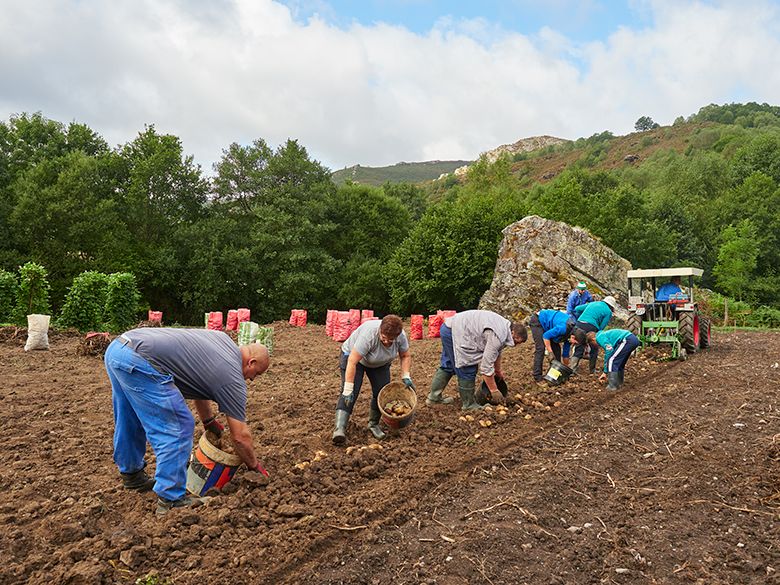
(270, 230)
(8, 291)
(122, 296)
(85, 303)
(32, 295)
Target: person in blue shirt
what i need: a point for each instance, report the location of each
(667, 290)
(579, 296)
(592, 317)
(549, 328)
(618, 345)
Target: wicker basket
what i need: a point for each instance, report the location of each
(397, 391)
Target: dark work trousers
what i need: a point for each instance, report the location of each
(379, 378)
(617, 361)
(579, 351)
(538, 334)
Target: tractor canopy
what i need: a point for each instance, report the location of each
(648, 286)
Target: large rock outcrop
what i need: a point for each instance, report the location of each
(540, 261)
(522, 145)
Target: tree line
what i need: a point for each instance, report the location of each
(268, 229)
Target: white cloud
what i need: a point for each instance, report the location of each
(217, 72)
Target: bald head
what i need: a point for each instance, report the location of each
(254, 360)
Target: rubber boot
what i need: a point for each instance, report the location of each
(592, 363)
(440, 380)
(622, 377)
(137, 481)
(575, 361)
(613, 380)
(466, 391)
(373, 425)
(340, 432)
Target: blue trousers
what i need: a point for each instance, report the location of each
(448, 357)
(379, 378)
(617, 361)
(148, 406)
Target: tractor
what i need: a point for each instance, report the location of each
(668, 314)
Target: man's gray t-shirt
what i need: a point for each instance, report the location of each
(365, 340)
(205, 365)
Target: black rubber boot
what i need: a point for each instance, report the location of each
(613, 381)
(340, 431)
(137, 481)
(164, 506)
(373, 425)
(440, 380)
(622, 377)
(466, 390)
(573, 363)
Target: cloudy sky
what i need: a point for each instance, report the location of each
(376, 82)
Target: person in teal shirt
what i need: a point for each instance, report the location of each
(591, 318)
(618, 345)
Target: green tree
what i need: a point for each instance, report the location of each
(33, 293)
(370, 225)
(66, 215)
(447, 260)
(645, 123)
(412, 196)
(736, 259)
(85, 303)
(161, 191)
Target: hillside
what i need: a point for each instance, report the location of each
(602, 151)
(606, 152)
(403, 172)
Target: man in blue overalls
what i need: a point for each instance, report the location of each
(152, 371)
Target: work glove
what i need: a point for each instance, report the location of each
(348, 393)
(213, 425)
(496, 397)
(407, 380)
(260, 469)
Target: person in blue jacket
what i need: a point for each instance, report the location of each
(579, 296)
(618, 345)
(591, 317)
(668, 290)
(549, 328)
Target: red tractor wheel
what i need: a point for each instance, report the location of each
(690, 331)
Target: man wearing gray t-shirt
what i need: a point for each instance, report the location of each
(370, 350)
(473, 340)
(152, 371)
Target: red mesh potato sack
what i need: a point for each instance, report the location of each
(341, 326)
(215, 321)
(416, 328)
(232, 320)
(434, 324)
(243, 315)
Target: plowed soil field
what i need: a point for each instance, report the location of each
(675, 479)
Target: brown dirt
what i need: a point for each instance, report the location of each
(674, 479)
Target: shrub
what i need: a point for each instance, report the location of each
(122, 298)
(33, 293)
(765, 316)
(85, 302)
(8, 292)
